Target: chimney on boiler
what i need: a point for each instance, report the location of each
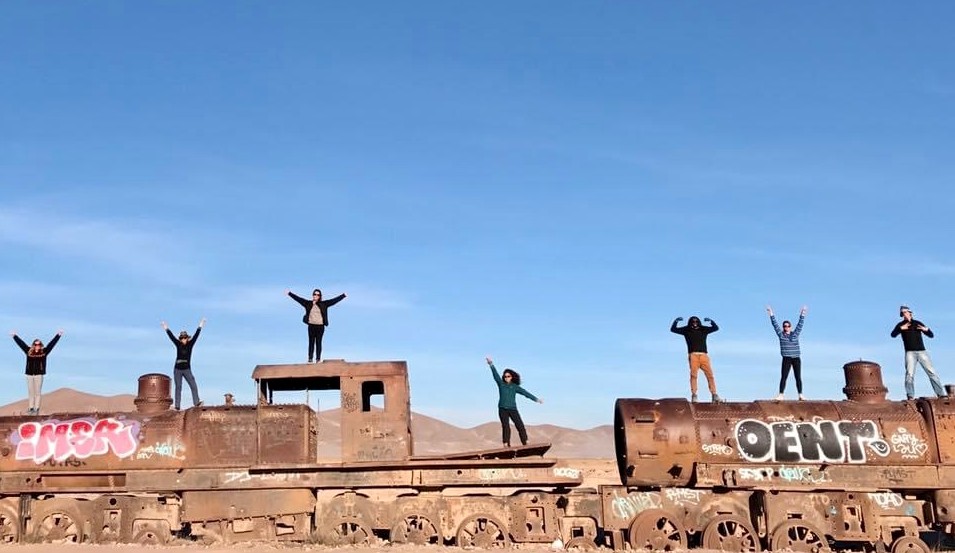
(864, 382)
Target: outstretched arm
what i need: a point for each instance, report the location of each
(772, 319)
(527, 394)
(802, 319)
(52, 343)
(198, 331)
(23, 345)
(301, 301)
(335, 300)
(497, 377)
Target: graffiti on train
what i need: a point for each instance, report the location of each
(821, 440)
(78, 438)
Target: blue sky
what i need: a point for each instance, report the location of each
(549, 183)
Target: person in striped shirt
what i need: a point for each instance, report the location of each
(789, 349)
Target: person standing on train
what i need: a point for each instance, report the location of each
(508, 386)
(789, 349)
(183, 367)
(36, 368)
(316, 317)
(695, 335)
(912, 331)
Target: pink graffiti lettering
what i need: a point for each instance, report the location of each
(82, 438)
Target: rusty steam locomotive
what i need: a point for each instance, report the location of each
(729, 476)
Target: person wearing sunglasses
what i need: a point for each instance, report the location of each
(316, 317)
(36, 367)
(508, 386)
(183, 367)
(789, 349)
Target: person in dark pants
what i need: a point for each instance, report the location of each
(36, 368)
(316, 317)
(912, 331)
(183, 366)
(789, 349)
(695, 335)
(508, 386)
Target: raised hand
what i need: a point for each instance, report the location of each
(541, 401)
(803, 311)
(164, 325)
(489, 360)
(769, 310)
(13, 333)
(287, 291)
(707, 320)
(678, 319)
(60, 332)
(202, 322)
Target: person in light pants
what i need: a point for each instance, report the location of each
(36, 367)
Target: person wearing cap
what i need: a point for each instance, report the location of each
(183, 366)
(789, 349)
(316, 317)
(36, 368)
(695, 335)
(912, 331)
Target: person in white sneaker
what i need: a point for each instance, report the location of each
(36, 367)
(789, 349)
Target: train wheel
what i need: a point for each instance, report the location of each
(910, 544)
(9, 526)
(798, 535)
(657, 530)
(482, 531)
(151, 533)
(58, 526)
(347, 531)
(416, 529)
(730, 533)
(581, 543)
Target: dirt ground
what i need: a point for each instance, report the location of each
(249, 548)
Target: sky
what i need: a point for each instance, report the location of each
(548, 183)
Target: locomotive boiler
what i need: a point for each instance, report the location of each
(799, 475)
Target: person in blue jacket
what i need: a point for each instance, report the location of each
(789, 349)
(508, 386)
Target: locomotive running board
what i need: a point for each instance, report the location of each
(530, 450)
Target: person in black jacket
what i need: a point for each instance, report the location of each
(183, 367)
(316, 317)
(912, 331)
(695, 335)
(36, 367)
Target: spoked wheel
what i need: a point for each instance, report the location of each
(58, 526)
(416, 529)
(9, 526)
(910, 544)
(347, 531)
(151, 534)
(581, 543)
(482, 531)
(800, 536)
(657, 530)
(730, 533)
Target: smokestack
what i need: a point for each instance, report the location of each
(153, 394)
(864, 382)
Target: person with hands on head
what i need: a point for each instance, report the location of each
(912, 331)
(789, 349)
(508, 386)
(183, 366)
(36, 367)
(316, 317)
(699, 359)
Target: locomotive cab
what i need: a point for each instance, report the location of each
(368, 433)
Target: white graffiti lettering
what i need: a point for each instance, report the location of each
(755, 475)
(908, 444)
(803, 475)
(501, 474)
(567, 472)
(717, 449)
(683, 496)
(807, 442)
(626, 507)
(887, 500)
(162, 449)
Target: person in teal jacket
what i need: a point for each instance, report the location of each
(508, 386)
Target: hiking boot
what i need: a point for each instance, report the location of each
(802, 397)
(717, 398)
(693, 398)
(909, 398)
(199, 404)
(780, 397)
(309, 360)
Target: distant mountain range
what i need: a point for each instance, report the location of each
(431, 436)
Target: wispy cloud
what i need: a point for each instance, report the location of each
(115, 244)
